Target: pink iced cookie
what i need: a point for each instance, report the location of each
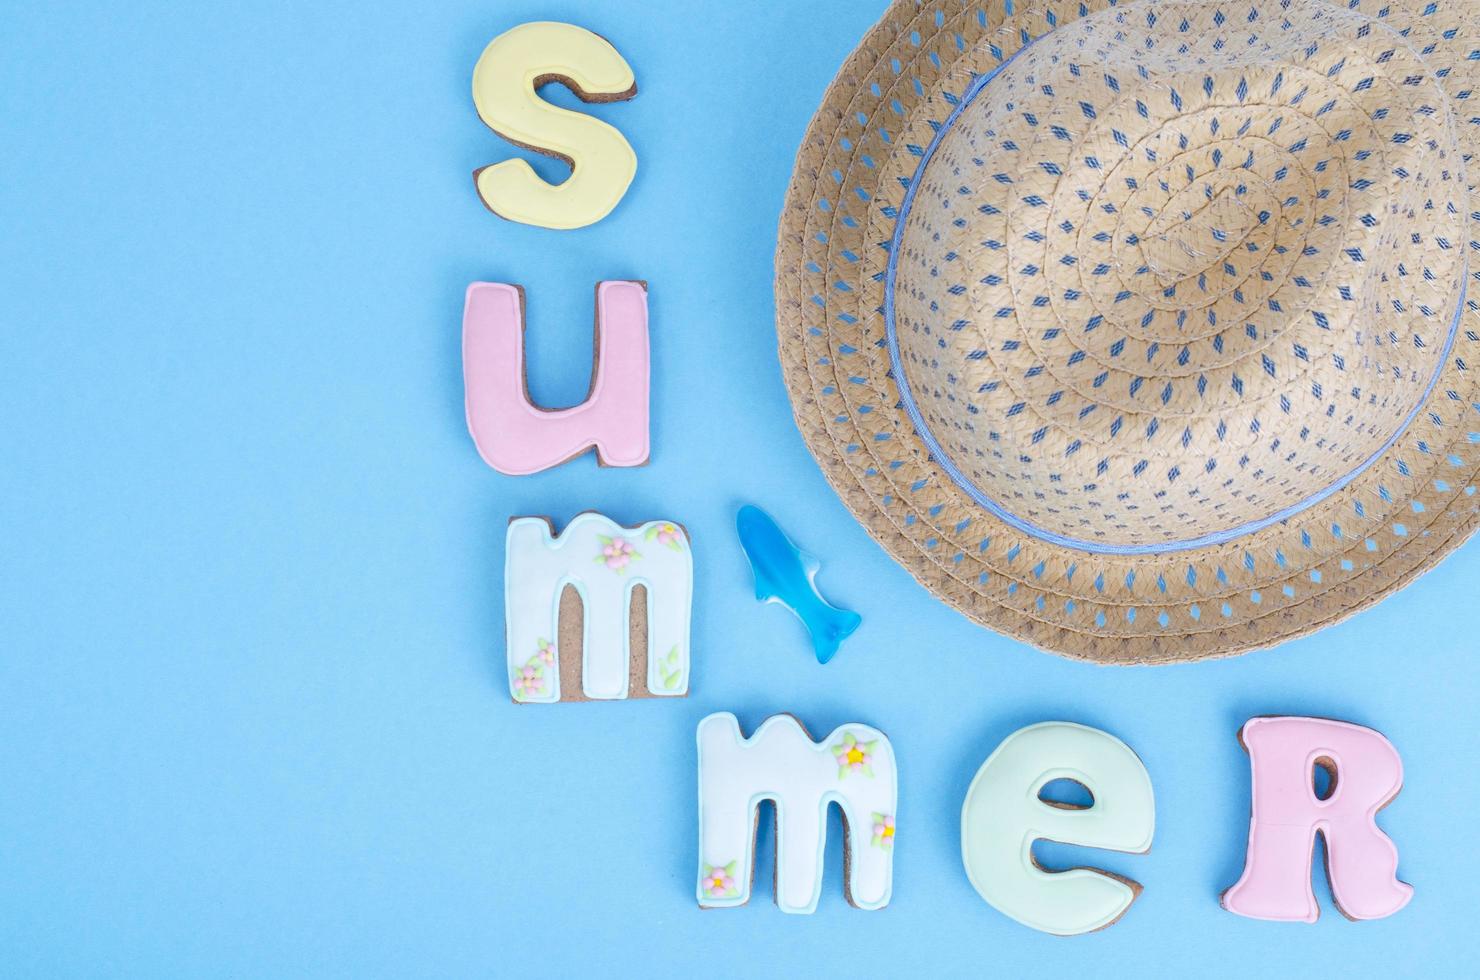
(1361, 861)
(518, 438)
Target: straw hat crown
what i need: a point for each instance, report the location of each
(1151, 292)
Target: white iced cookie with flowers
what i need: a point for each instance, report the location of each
(601, 647)
(853, 767)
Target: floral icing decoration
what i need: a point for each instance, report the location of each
(529, 680)
(718, 881)
(616, 553)
(884, 831)
(854, 756)
(670, 670)
(666, 534)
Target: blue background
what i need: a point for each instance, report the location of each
(253, 712)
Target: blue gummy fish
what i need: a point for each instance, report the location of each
(784, 573)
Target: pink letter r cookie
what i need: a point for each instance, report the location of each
(1361, 860)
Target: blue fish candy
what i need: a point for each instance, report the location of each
(784, 573)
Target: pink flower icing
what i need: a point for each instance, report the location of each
(618, 553)
(529, 680)
(883, 831)
(854, 756)
(719, 880)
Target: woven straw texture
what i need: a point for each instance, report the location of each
(1140, 332)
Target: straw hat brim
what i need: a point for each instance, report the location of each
(1393, 521)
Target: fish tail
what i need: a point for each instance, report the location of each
(834, 625)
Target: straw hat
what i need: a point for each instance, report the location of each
(1140, 332)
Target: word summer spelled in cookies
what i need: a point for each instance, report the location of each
(1007, 810)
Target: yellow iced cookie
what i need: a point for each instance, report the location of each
(602, 162)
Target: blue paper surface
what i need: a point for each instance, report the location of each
(253, 712)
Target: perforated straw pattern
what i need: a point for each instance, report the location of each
(1179, 300)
